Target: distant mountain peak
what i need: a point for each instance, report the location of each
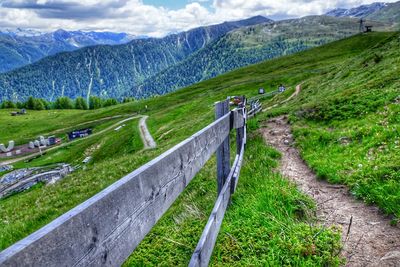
(25, 46)
(62, 34)
(21, 32)
(357, 12)
(254, 20)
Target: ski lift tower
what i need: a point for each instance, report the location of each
(362, 26)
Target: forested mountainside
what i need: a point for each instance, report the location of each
(109, 70)
(22, 47)
(250, 45)
(148, 67)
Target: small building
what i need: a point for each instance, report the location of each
(281, 88)
(79, 134)
(261, 91)
(368, 28)
(52, 140)
(17, 113)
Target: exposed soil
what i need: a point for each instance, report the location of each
(147, 139)
(371, 240)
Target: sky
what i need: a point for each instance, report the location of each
(152, 17)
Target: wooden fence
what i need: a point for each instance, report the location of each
(227, 182)
(106, 229)
(255, 107)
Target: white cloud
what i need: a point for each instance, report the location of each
(135, 17)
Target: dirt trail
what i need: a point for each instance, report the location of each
(371, 241)
(148, 140)
(296, 92)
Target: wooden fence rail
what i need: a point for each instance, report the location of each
(205, 247)
(106, 229)
(255, 107)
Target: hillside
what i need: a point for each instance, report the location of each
(357, 12)
(379, 11)
(19, 48)
(350, 92)
(390, 13)
(250, 45)
(109, 70)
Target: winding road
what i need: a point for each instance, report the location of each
(147, 139)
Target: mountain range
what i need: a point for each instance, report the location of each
(357, 12)
(110, 71)
(379, 11)
(155, 66)
(22, 47)
(247, 46)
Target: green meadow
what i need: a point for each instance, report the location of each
(350, 92)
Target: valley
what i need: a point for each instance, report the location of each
(345, 123)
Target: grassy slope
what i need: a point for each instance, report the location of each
(23, 129)
(100, 147)
(169, 124)
(348, 128)
(390, 13)
(269, 222)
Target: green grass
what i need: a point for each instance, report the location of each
(278, 227)
(99, 147)
(23, 129)
(347, 126)
(269, 222)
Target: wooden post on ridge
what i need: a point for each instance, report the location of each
(223, 152)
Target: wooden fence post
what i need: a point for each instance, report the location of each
(240, 131)
(223, 152)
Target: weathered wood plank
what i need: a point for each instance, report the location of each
(223, 152)
(254, 111)
(238, 118)
(205, 247)
(104, 230)
(235, 178)
(240, 125)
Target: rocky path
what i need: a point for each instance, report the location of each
(368, 238)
